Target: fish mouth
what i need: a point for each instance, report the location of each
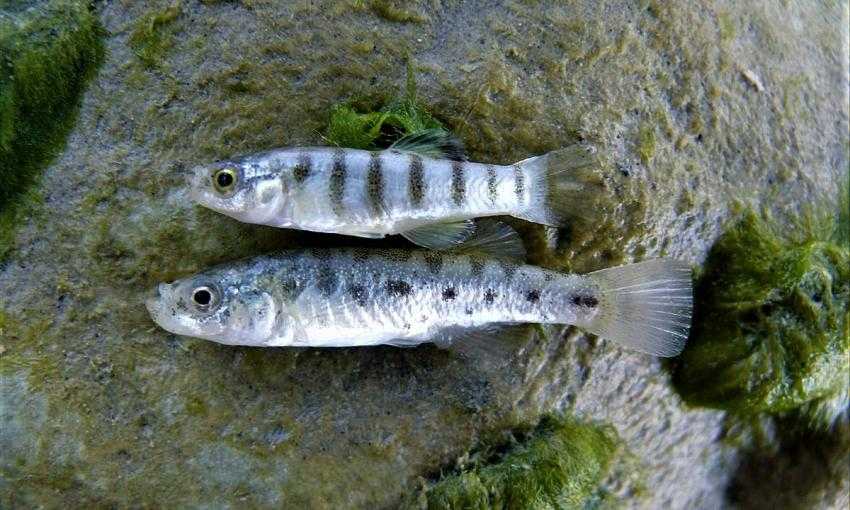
(154, 302)
(195, 182)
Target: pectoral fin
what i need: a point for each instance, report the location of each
(496, 239)
(441, 236)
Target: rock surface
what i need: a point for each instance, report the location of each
(694, 107)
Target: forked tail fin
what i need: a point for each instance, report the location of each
(561, 182)
(645, 306)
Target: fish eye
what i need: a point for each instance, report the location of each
(204, 297)
(224, 180)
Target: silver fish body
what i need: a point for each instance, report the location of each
(362, 192)
(373, 193)
(359, 297)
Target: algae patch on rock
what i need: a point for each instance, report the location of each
(153, 35)
(771, 331)
(559, 465)
(377, 129)
(47, 54)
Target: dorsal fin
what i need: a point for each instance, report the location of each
(433, 143)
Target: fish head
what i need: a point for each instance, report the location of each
(241, 189)
(215, 306)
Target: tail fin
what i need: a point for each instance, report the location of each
(645, 306)
(561, 181)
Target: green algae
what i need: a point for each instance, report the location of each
(771, 334)
(377, 129)
(391, 11)
(559, 465)
(373, 127)
(153, 34)
(646, 143)
(48, 56)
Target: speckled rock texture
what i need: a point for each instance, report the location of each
(694, 107)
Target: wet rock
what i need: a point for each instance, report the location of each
(106, 409)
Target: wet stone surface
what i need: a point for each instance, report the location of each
(692, 107)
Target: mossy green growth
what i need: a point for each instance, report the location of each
(391, 11)
(560, 465)
(646, 143)
(47, 54)
(377, 129)
(772, 331)
(153, 34)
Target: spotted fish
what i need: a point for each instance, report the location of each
(421, 188)
(360, 297)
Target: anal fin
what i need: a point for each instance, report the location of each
(493, 341)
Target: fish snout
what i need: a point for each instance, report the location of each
(154, 299)
(195, 180)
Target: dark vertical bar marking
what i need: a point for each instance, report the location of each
(303, 168)
(375, 184)
(458, 183)
(359, 294)
(519, 183)
(416, 180)
(337, 184)
(492, 188)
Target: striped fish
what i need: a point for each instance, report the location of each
(360, 297)
(421, 188)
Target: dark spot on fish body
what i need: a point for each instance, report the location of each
(375, 184)
(398, 288)
(434, 261)
(328, 281)
(532, 296)
(584, 300)
(492, 184)
(509, 268)
(519, 183)
(416, 180)
(337, 183)
(303, 168)
(489, 296)
(449, 294)
(458, 183)
(359, 294)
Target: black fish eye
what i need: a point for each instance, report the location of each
(224, 179)
(204, 297)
